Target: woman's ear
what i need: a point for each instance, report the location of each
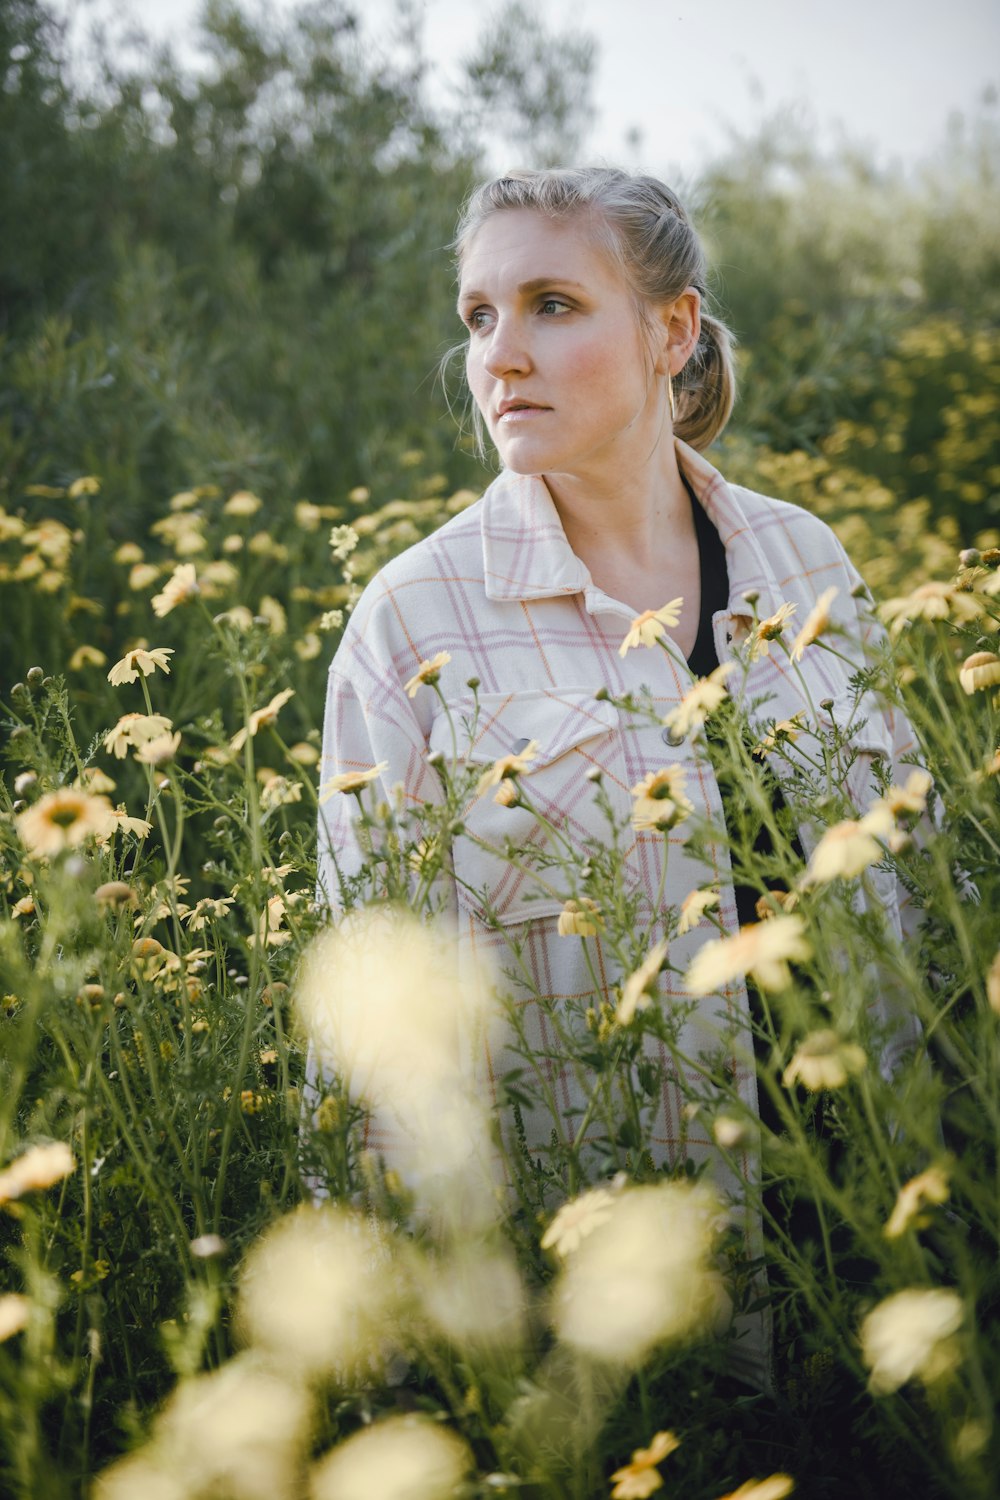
(678, 330)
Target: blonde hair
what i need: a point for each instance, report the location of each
(646, 230)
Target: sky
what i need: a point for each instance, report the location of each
(885, 74)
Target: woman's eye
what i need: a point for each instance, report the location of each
(477, 320)
(554, 306)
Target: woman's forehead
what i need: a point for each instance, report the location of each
(522, 244)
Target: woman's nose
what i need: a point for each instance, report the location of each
(506, 352)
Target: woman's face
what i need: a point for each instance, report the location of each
(558, 362)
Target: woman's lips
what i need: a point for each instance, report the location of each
(522, 413)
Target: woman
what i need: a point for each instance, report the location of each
(600, 378)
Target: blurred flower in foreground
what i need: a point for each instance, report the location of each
(927, 1188)
(845, 851)
(935, 600)
(181, 586)
(134, 662)
(400, 1458)
(236, 1432)
(639, 988)
(911, 1335)
(15, 1310)
(38, 1168)
(428, 672)
(775, 1487)
(62, 820)
(641, 1477)
(993, 984)
(576, 1219)
(823, 1061)
(817, 621)
(385, 1004)
(261, 717)
(760, 949)
(980, 670)
(651, 626)
(642, 1277)
(701, 699)
(351, 781)
(317, 1293)
(693, 908)
(474, 1296)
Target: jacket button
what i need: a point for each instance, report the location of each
(521, 744)
(671, 737)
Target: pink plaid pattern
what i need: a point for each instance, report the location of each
(500, 590)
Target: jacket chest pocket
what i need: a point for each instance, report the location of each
(506, 863)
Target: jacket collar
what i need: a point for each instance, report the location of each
(526, 554)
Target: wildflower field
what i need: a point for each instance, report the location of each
(213, 1281)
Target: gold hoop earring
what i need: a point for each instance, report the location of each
(670, 399)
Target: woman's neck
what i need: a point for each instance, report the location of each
(633, 531)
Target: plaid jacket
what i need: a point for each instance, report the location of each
(499, 588)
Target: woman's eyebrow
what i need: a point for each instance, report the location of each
(536, 284)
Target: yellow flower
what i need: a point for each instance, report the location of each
(761, 949)
(693, 908)
(128, 553)
(660, 800)
(261, 717)
(86, 656)
(15, 1310)
(729, 1133)
(146, 662)
(158, 751)
(785, 732)
(273, 613)
(769, 630)
(993, 984)
(911, 1335)
(929, 1187)
(307, 515)
(640, 1478)
(911, 798)
(278, 791)
(308, 647)
(428, 672)
(775, 1487)
(507, 766)
(844, 851)
(38, 1168)
(640, 987)
(142, 575)
(331, 619)
(576, 1219)
(785, 901)
(239, 617)
(351, 781)
(980, 670)
(121, 821)
(816, 622)
(242, 503)
(181, 586)
(207, 909)
(343, 540)
(134, 729)
(579, 918)
(700, 700)
(931, 601)
(823, 1061)
(651, 626)
(87, 484)
(62, 820)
